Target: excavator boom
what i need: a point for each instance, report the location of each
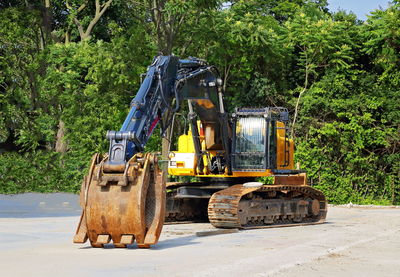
(123, 195)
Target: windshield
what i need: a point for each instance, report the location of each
(249, 152)
(250, 134)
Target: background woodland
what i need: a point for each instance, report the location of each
(68, 70)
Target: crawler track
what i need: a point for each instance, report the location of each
(267, 206)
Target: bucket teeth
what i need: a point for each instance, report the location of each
(81, 233)
(103, 239)
(127, 239)
(80, 238)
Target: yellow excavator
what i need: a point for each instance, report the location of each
(243, 163)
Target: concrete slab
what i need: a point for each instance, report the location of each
(354, 242)
(39, 205)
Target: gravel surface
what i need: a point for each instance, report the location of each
(37, 229)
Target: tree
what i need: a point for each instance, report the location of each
(321, 43)
(19, 47)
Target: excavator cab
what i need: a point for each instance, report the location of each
(256, 140)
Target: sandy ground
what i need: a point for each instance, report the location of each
(36, 232)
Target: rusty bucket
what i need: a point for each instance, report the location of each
(122, 207)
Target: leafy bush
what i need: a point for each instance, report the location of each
(40, 171)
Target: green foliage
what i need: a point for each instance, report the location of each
(90, 87)
(85, 86)
(322, 42)
(19, 47)
(348, 139)
(382, 42)
(40, 171)
(266, 180)
(242, 41)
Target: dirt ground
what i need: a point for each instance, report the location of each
(36, 232)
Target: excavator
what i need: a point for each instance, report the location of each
(243, 163)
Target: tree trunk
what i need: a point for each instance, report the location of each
(47, 20)
(61, 144)
(165, 147)
(164, 46)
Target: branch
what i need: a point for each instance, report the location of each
(76, 21)
(298, 100)
(100, 10)
(226, 75)
(68, 5)
(97, 4)
(80, 28)
(81, 7)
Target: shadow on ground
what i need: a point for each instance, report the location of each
(161, 245)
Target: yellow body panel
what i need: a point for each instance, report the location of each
(185, 143)
(184, 158)
(181, 171)
(280, 148)
(183, 161)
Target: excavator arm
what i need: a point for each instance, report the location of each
(123, 196)
(168, 80)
